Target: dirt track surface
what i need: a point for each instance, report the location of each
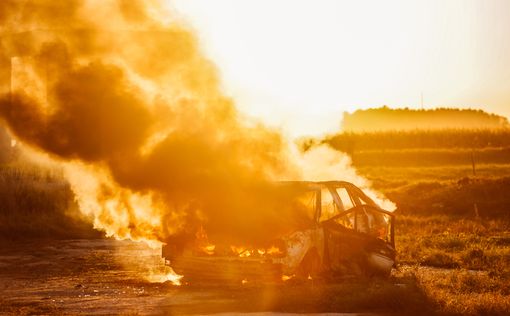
(103, 277)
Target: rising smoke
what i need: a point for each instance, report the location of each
(119, 93)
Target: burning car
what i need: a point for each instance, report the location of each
(348, 234)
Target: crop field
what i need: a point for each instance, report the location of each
(453, 230)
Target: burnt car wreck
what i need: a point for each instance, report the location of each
(348, 235)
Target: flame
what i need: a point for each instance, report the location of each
(244, 252)
(274, 251)
(241, 251)
(209, 249)
(287, 277)
(202, 242)
(168, 275)
(115, 209)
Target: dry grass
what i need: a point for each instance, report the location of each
(451, 191)
(38, 202)
(461, 262)
(462, 265)
(461, 292)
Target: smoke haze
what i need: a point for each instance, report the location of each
(120, 95)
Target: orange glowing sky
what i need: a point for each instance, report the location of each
(300, 64)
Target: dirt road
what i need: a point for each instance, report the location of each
(112, 277)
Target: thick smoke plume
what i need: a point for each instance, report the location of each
(119, 93)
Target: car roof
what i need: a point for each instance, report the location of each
(318, 184)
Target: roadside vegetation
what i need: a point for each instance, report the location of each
(453, 211)
(37, 202)
(462, 264)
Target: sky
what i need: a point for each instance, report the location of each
(299, 64)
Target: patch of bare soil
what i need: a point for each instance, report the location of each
(108, 277)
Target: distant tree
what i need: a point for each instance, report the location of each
(385, 118)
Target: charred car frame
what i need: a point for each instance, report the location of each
(350, 235)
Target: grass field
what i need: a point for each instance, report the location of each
(448, 190)
(453, 211)
(462, 265)
(457, 256)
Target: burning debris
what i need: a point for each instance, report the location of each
(119, 94)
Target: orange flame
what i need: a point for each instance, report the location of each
(168, 275)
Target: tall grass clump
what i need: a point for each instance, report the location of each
(38, 202)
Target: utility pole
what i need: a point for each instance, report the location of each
(475, 205)
(473, 162)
